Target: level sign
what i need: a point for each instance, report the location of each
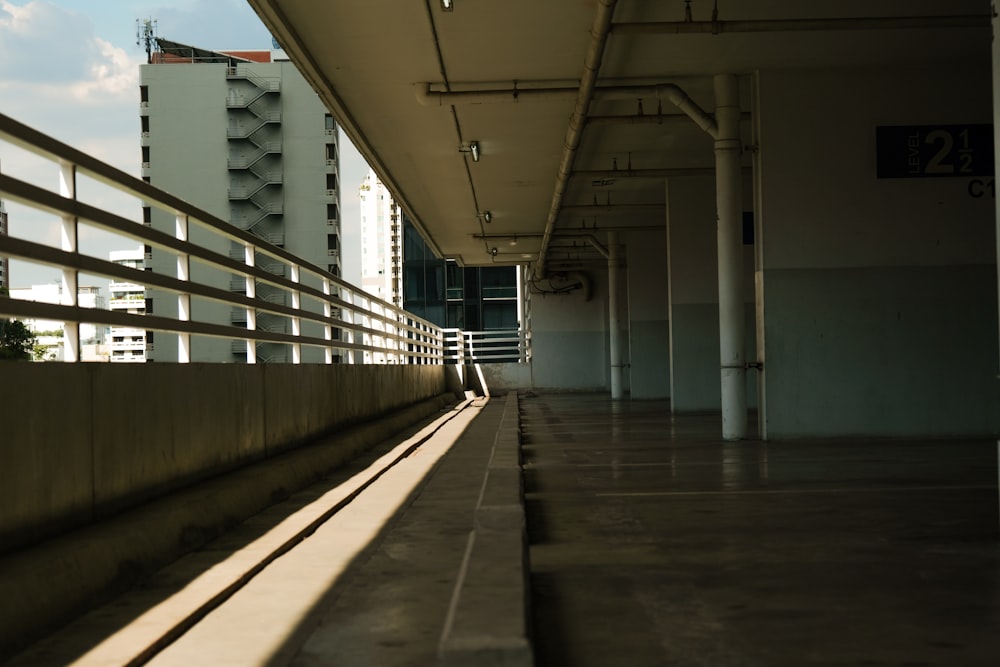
(934, 151)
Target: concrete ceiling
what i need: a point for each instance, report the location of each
(371, 61)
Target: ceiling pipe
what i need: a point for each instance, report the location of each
(800, 25)
(595, 51)
(643, 173)
(609, 208)
(647, 119)
(670, 91)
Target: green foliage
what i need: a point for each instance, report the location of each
(16, 341)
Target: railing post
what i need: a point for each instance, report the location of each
(183, 300)
(70, 277)
(296, 321)
(249, 260)
(327, 327)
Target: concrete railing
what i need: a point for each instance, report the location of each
(371, 330)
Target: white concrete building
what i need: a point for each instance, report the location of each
(128, 344)
(244, 137)
(381, 254)
(49, 333)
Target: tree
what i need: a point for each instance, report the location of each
(16, 341)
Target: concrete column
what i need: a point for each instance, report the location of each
(614, 316)
(729, 206)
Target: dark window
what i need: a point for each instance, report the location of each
(331, 212)
(331, 241)
(147, 214)
(331, 151)
(331, 181)
(149, 305)
(145, 154)
(143, 93)
(144, 121)
(329, 122)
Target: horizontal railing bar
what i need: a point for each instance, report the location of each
(40, 198)
(30, 139)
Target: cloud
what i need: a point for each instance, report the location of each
(43, 43)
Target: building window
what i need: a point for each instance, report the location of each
(149, 305)
(144, 122)
(329, 122)
(334, 269)
(145, 155)
(147, 214)
(331, 212)
(331, 181)
(144, 94)
(331, 241)
(331, 151)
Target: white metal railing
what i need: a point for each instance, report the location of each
(498, 346)
(355, 326)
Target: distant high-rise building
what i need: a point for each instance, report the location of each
(381, 247)
(128, 344)
(248, 140)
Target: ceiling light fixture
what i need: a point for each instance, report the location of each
(447, 5)
(474, 147)
(487, 217)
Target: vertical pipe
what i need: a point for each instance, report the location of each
(614, 316)
(996, 151)
(70, 277)
(729, 205)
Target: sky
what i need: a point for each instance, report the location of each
(70, 68)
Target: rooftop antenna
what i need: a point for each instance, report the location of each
(145, 35)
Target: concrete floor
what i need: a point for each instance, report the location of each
(655, 543)
(651, 543)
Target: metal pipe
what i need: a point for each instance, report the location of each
(614, 316)
(729, 204)
(646, 119)
(799, 25)
(595, 51)
(643, 173)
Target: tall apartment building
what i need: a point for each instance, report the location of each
(242, 135)
(127, 344)
(4, 262)
(381, 247)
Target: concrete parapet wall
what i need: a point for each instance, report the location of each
(83, 441)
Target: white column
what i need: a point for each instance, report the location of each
(614, 316)
(729, 205)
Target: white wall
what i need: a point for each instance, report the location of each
(649, 331)
(694, 295)
(880, 308)
(569, 338)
